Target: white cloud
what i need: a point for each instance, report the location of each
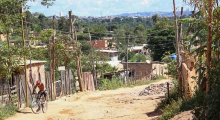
(98, 2)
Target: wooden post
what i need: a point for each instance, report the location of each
(93, 65)
(54, 62)
(65, 78)
(177, 44)
(51, 81)
(180, 58)
(61, 84)
(2, 91)
(26, 27)
(25, 66)
(79, 56)
(127, 61)
(18, 92)
(209, 42)
(79, 73)
(69, 92)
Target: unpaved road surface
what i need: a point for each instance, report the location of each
(120, 104)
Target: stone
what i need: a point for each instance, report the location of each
(155, 89)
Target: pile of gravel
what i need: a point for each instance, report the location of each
(156, 89)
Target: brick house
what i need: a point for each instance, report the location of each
(100, 44)
(144, 70)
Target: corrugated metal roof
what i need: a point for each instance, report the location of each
(108, 51)
(33, 62)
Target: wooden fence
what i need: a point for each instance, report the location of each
(17, 92)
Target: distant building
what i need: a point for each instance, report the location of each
(144, 70)
(139, 49)
(99, 44)
(106, 43)
(61, 14)
(112, 54)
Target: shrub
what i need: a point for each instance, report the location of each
(115, 83)
(175, 104)
(173, 96)
(159, 77)
(7, 111)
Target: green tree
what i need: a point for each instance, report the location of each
(139, 28)
(10, 60)
(161, 40)
(10, 16)
(63, 24)
(98, 31)
(46, 36)
(138, 57)
(155, 18)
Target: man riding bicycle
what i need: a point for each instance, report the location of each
(42, 90)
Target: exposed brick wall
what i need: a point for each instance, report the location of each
(139, 70)
(101, 44)
(145, 70)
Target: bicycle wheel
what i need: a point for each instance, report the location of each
(35, 107)
(44, 107)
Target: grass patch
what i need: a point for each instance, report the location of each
(138, 83)
(159, 77)
(116, 83)
(7, 111)
(175, 107)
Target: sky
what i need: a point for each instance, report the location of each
(104, 7)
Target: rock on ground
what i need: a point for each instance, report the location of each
(156, 89)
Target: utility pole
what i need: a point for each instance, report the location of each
(25, 66)
(127, 61)
(180, 57)
(93, 66)
(51, 69)
(30, 74)
(79, 73)
(209, 42)
(180, 30)
(54, 62)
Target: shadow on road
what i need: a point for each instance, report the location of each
(154, 113)
(24, 112)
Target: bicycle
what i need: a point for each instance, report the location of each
(36, 105)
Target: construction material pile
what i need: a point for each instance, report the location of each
(156, 89)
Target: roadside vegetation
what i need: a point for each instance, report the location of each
(203, 44)
(117, 82)
(7, 111)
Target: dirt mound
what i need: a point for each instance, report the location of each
(187, 115)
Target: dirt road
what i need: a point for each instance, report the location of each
(120, 104)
